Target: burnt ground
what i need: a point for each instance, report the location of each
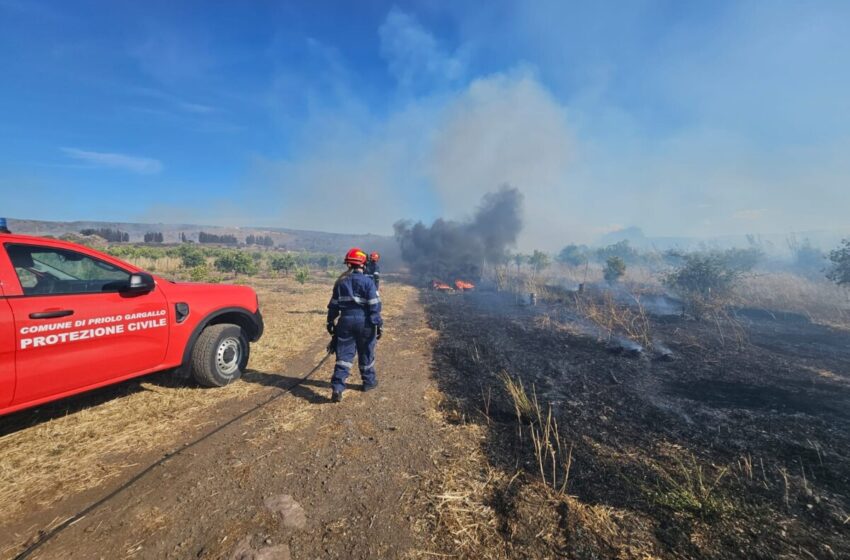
(736, 446)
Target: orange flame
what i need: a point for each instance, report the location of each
(437, 285)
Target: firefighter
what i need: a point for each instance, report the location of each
(373, 270)
(355, 301)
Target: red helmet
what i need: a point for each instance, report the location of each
(355, 257)
(375, 257)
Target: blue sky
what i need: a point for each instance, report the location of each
(683, 118)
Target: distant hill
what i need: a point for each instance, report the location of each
(291, 239)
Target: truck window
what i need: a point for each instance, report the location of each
(47, 270)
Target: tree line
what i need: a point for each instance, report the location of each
(262, 240)
(224, 239)
(109, 234)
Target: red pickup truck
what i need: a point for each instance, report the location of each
(73, 319)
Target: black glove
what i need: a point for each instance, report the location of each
(331, 328)
(379, 331)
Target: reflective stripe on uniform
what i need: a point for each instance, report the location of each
(358, 299)
(346, 365)
(370, 366)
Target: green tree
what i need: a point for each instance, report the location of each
(573, 255)
(839, 271)
(282, 263)
(519, 259)
(237, 262)
(325, 261)
(622, 250)
(615, 268)
(538, 261)
(190, 257)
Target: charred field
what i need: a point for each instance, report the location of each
(734, 442)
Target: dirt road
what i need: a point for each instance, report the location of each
(302, 477)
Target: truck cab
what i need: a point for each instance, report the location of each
(74, 319)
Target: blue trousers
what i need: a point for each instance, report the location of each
(354, 334)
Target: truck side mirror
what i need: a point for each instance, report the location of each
(140, 283)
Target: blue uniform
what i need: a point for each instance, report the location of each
(355, 300)
(373, 270)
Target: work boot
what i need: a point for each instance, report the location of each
(367, 388)
(336, 396)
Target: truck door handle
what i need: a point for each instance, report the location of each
(51, 314)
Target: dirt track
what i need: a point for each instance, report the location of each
(353, 467)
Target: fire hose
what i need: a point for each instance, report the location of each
(47, 536)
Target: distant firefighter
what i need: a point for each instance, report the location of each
(355, 301)
(373, 269)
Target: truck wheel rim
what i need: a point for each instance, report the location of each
(228, 356)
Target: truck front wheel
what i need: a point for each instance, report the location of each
(220, 355)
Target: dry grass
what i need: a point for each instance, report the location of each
(459, 519)
(630, 321)
(553, 454)
(466, 500)
(86, 448)
(524, 406)
(818, 299)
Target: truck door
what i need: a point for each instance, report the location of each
(7, 352)
(75, 323)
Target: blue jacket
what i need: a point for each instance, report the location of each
(356, 292)
(373, 269)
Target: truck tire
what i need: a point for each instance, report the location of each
(220, 355)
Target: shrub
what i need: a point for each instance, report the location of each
(200, 273)
(806, 257)
(705, 280)
(742, 260)
(236, 262)
(839, 271)
(615, 268)
(302, 275)
(191, 257)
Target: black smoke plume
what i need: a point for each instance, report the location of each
(449, 250)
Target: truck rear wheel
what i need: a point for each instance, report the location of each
(220, 355)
